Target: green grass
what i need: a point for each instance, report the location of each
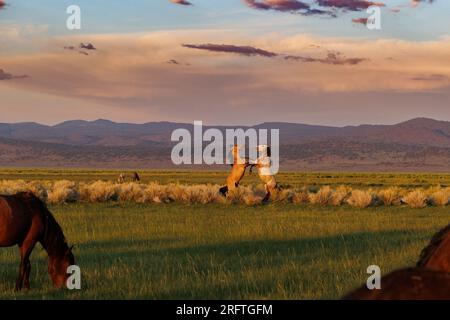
(286, 179)
(278, 251)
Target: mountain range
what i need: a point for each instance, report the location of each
(419, 144)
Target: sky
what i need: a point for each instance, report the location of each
(225, 61)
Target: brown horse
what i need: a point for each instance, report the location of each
(436, 256)
(24, 221)
(237, 171)
(429, 280)
(408, 284)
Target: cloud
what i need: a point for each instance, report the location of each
(8, 76)
(88, 46)
(241, 50)
(415, 3)
(360, 20)
(431, 77)
(293, 6)
(182, 2)
(333, 58)
(350, 5)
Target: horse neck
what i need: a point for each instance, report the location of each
(436, 242)
(53, 240)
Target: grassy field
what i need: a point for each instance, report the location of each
(286, 179)
(224, 251)
(175, 251)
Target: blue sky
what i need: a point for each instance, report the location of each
(314, 69)
(105, 16)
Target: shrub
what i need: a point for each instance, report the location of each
(441, 197)
(322, 197)
(99, 191)
(301, 196)
(360, 199)
(416, 199)
(389, 196)
(63, 191)
(340, 195)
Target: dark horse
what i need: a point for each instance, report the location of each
(429, 280)
(436, 256)
(24, 221)
(408, 284)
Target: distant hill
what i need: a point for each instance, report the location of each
(416, 145)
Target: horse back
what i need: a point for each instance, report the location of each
(15, 219)
(407, 284)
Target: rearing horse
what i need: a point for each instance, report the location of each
(24, 221)
(237, 171)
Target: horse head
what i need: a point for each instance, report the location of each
(58, 265)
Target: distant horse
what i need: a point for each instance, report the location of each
(123, 177)
(436, 256)
(408, 284)
(237, 171)
(24, 221)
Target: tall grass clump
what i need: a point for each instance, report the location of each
(131, 192)
(390, 196)
(360, 199)
(323, 197)
(99, 191)
(416, 199)
(300, 196)
(441, 197)
(63, 191)
(340, 195)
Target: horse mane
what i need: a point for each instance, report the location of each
(430, 249)
(53, 239)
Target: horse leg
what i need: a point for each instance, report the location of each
(19, 280)
(25, 252)
(223, 191)
(267, 197)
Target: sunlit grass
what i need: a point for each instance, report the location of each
(278, 251)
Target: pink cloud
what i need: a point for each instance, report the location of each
(286, 6)
(182, 2)
(242, 50)
(352, 5)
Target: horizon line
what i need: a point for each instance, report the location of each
(216, 125)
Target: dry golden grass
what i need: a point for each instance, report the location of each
(65, 191)
(323, 197)
(360, 198)
(416, 199)
(300, 196)
(440, 197)
(390, 196)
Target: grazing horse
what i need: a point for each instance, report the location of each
(436, 256)
(263, 164)
(24, 221)
(237, 171)
(123, 177)
(408, 284)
